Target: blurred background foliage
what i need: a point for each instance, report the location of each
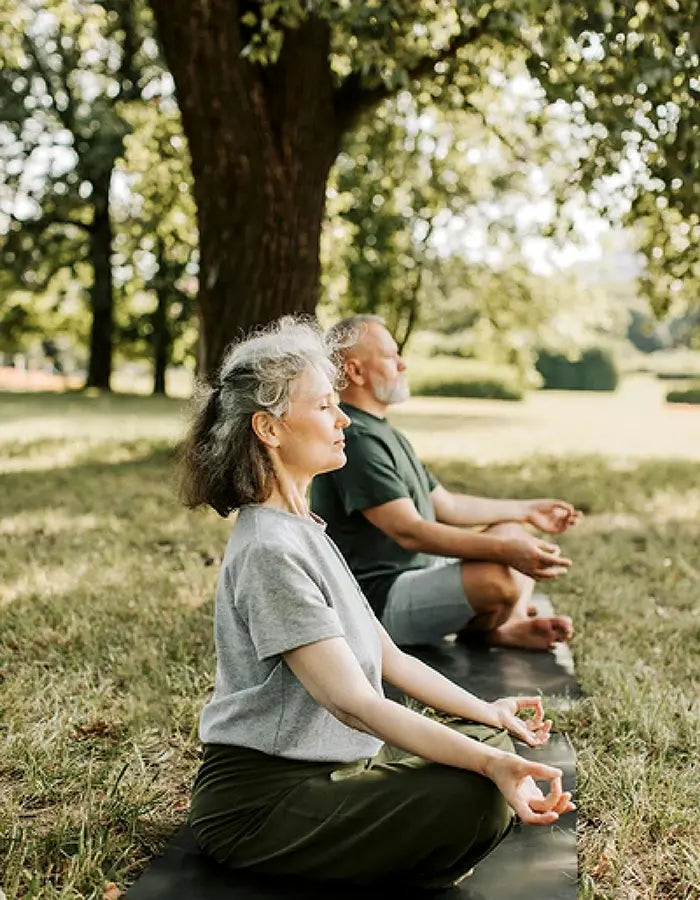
(454, 207)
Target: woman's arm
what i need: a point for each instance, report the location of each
(424, 684)
(331, 674)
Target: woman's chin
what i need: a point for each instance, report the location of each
(337, 462)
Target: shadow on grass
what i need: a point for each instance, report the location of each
(592, 483)
(88, 485)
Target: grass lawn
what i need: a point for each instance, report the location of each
(105, 624)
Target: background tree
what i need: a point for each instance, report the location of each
(156, 259)
(420, 194)
(67, 67)
(268, 89)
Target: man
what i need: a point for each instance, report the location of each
(411, 543)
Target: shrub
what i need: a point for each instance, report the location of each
(485, 388)
(594, 371)
(442, 376)
(691, 395)
(677, 376)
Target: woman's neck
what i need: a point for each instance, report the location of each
(289, 496)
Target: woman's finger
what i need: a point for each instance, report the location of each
(543, 804)
(540, 771)
(564, 805)
(531, 817)
(531, 703)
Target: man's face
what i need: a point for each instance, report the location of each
(380, 364)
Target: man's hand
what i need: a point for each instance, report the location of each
(535, 731)
(515, 778)
(534, 557)
(552, 516)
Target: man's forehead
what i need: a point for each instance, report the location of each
(375, 337)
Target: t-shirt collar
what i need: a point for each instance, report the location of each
(314, 521)
(356, 413)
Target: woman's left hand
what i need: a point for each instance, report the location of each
(533, 731)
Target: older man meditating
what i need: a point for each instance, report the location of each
(432, 562)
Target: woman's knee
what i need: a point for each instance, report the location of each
(474, 810)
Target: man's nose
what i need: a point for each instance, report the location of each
(401, 364)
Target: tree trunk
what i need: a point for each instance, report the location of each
(262, 141)
(161, 340)
(101, 295)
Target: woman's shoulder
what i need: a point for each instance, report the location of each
(263, 533)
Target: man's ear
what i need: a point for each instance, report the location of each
(353, 371)
(265, 428)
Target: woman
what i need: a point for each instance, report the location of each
(308, 769)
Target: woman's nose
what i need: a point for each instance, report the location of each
(401, 365)
(343, 421)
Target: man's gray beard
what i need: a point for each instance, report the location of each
(397, 393)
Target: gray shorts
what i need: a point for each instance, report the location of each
(423, 605)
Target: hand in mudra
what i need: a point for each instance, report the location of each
(517, 778)
(552, 516)
(534, 731)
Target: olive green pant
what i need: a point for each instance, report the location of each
(396, 816)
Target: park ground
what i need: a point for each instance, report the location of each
(106, 634)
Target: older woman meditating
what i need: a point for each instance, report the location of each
(308, 768)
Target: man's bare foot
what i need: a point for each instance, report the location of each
(538, 633)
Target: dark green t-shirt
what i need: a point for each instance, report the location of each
(381, 466)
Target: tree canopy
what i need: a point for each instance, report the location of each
(422, 123)
(268, 90)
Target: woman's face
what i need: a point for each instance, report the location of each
(311, 436)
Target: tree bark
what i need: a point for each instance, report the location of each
(101, 295)
(262, 141)
(161, 340)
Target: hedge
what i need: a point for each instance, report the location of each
(594, 371)
(691, 395)
(484, 388)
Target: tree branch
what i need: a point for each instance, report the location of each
(496, 131)
(352, 98)
(46, 221)
(128, 70)
(67, 115)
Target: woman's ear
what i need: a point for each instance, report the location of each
(265, 428)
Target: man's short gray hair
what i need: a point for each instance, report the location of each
(345, 334)
(223, 464)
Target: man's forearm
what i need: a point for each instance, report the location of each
(448, 540)
(465, 510)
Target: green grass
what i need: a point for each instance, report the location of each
(106, 652)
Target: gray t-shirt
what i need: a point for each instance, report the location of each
(283, 584)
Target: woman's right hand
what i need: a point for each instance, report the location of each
(515, 778)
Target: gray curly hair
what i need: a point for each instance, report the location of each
(222, 462)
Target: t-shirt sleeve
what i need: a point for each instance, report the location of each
(369, 477)
(279, 601)
(432, 480)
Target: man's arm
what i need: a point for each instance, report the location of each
(553, 516)
(401, 521)
(465, 510)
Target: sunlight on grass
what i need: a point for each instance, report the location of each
(633, 422)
